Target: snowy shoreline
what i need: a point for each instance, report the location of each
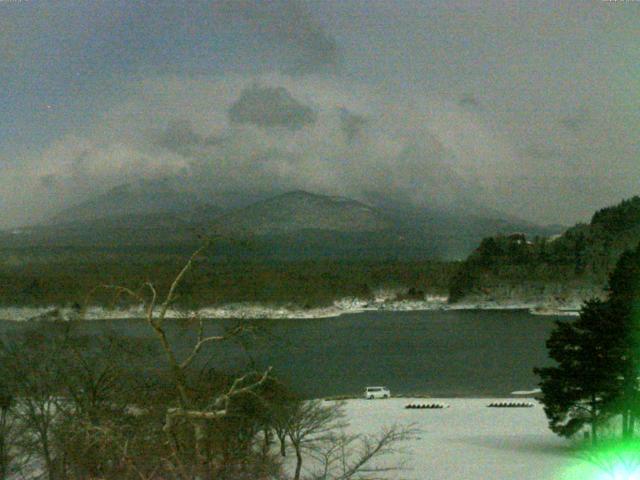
(257, 311)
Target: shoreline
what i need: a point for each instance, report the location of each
(418, 396)
(259, 311)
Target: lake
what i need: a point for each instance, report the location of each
(441, 353)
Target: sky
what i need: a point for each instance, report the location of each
(526, 108)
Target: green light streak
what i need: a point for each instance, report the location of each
(613, 460)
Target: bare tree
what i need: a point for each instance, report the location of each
(32, 370)
(67, 390)
(280, 416)
(10, 459)
(344, 457)
(100, 385)
(316, 429)
(311, 423)
(187, 410)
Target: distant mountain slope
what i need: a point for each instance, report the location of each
(143, 213)
(294, 225)
(302, 224)
(137, 200)
(299, 210)
(563, 266)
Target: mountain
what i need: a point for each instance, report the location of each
(302, 224)
(298, 211)
(143, 213)
(135, 201)
(293, 225)
(565, 268)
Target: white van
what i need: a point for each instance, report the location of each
(376, 392)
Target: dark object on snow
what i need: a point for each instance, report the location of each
(510, 404)
(427, 405)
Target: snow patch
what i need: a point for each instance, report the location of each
(383, 301)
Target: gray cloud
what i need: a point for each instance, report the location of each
(233, 139)
(270, 107)
(399, 156)
(178, 135)
(292, 26)
(511, 101)
(576, 121)
(469, 100)
(49, 182)
(352, 123)
(542, 152)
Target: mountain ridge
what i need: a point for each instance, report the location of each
(301, 210)
(134, 199)
(294, 224)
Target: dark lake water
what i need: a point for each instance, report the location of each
(441, 353)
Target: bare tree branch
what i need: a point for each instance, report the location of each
(202, 341)
(171, 295)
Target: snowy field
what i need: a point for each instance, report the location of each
(469, 441)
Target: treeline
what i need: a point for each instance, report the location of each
(72, 277)
(585, 253)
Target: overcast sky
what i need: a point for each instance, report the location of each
(531, 108)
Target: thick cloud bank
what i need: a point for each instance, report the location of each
(527, 107)
(235, 138)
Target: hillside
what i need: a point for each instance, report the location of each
(296, 225)
(298, 247)
(137, 200)
(299, 210)
(560, 270)
(133, 215)
(306, 225)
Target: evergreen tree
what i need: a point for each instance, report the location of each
(598, 359)
(585, 381)
(624, 305)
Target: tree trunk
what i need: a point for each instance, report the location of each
(283, 444)
(298, 463)
(46, 453)
(4, 460)
(268, 437)
(200, 441)
(594, 421)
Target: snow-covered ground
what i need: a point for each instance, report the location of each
(470, 441)
(257, 311)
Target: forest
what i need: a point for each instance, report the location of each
(584, 255)
(62, 278)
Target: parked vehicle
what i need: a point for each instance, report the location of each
(376, 392)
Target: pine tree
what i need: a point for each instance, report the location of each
(578, 391)
(624, 305)
(598, 359)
